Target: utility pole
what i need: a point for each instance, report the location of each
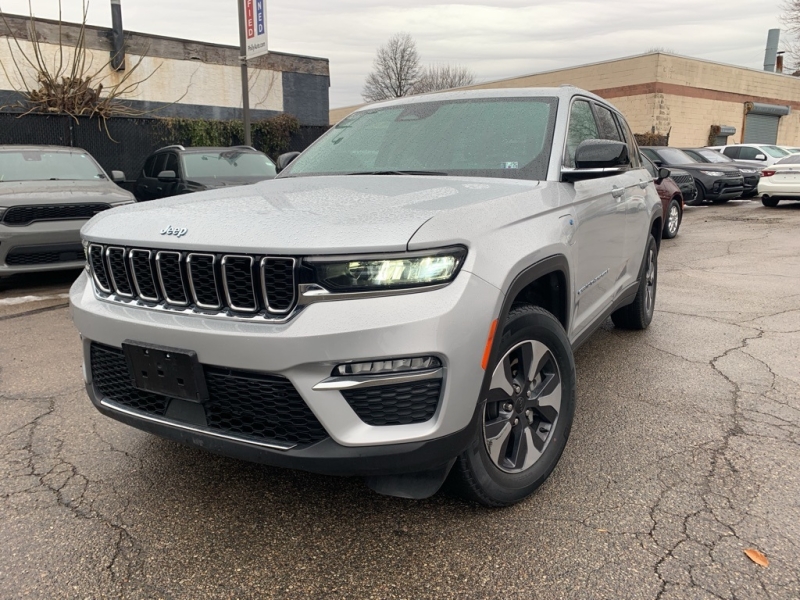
(245, 82)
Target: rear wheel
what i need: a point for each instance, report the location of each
(639, 313)
(674, 217)
(527, 412)
(771, 202)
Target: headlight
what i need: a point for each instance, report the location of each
(713, 173)
(387, 272)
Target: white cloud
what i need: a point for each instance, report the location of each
(501, 39)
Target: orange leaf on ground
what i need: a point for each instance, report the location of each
(757, 557)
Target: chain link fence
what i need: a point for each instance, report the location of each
(119, 143)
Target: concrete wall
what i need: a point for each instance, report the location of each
(184, 78)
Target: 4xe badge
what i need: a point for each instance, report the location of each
(178, 232)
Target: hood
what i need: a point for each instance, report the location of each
(213, 183)
(17, 193)
(301, 215)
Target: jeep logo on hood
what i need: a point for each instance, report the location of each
(169, 230)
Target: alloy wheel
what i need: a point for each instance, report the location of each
(522, 406)
(650, 276)
(673, 219)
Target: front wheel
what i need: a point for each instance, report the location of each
(527, 412)
(639, 313)
(674, 217)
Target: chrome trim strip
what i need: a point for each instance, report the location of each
(217, 306)
(186, 427)
(311, 292)
(149, 268)
(368, 381)
(111, 271)
(94, 275)
(225, 283)
(264, 284)
(161, 278)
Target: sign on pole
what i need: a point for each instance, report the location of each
(255, 27)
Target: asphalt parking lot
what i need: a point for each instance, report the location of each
(684, 453)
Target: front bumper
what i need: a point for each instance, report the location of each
(725, 188)
(41, 246)
(450, 323)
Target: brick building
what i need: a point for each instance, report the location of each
(689, 99)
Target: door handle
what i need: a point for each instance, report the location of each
(643, 184)
(617, 192)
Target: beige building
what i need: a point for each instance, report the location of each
(687, 98)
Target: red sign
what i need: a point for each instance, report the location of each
(249, 19)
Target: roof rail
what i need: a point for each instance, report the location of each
(176, 146)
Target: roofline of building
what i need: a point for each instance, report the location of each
(101, 29)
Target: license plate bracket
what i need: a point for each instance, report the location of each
(166, 371)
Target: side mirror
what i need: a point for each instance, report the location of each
(118, 176)
(663, 173)
(167, 176)
(285, 159)
(597, 158)
(760, 157)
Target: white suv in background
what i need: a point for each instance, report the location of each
(763, 155)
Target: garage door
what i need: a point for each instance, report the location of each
(761, 122)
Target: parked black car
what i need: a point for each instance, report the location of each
(718, 184)
(751, 173)
(177, 170)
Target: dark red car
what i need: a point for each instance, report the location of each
(671, 200)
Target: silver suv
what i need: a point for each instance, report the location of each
(401, 303)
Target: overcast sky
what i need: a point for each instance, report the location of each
(500, 39)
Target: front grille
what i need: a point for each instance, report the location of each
(682, 178)
(232, 284)
(243, 404)
(27, 256)
(396, 404)
(25, 215)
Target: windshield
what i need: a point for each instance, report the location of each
(714, 156)
(673, 156)
(775, 152)
(505, 137)
(44, 165)
(227, 165)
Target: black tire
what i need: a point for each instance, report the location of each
(700, 197)
(750, 194)
(499, 480)
(673, 220)
(639, 313)
(770, 202)
(720, 200)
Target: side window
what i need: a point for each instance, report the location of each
(606, 124)
(161, 160)
(748, 153)
(581, 127)
(172, 163)
(731, 152)
(651, 168)
(633, 147)
(149, 166)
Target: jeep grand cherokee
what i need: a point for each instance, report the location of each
(402, 303)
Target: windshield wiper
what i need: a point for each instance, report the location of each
(398, 173)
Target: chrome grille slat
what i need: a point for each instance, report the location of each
(144, 279)
(235, 286)
(237, 279)
(202, 268)
(168, 267)
(97, 263)
(118, 271)
(277, 298)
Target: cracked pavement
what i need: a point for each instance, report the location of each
(685, 451)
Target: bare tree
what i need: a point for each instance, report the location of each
(444, 77)
(395, 71)
(791, 20)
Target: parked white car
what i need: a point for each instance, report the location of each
(781, 181)
(763, 155)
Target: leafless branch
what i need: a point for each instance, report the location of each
(395, 70)
(444, 77)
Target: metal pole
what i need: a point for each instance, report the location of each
(245, 83)
(117, 37)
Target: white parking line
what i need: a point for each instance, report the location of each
(27, 299)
